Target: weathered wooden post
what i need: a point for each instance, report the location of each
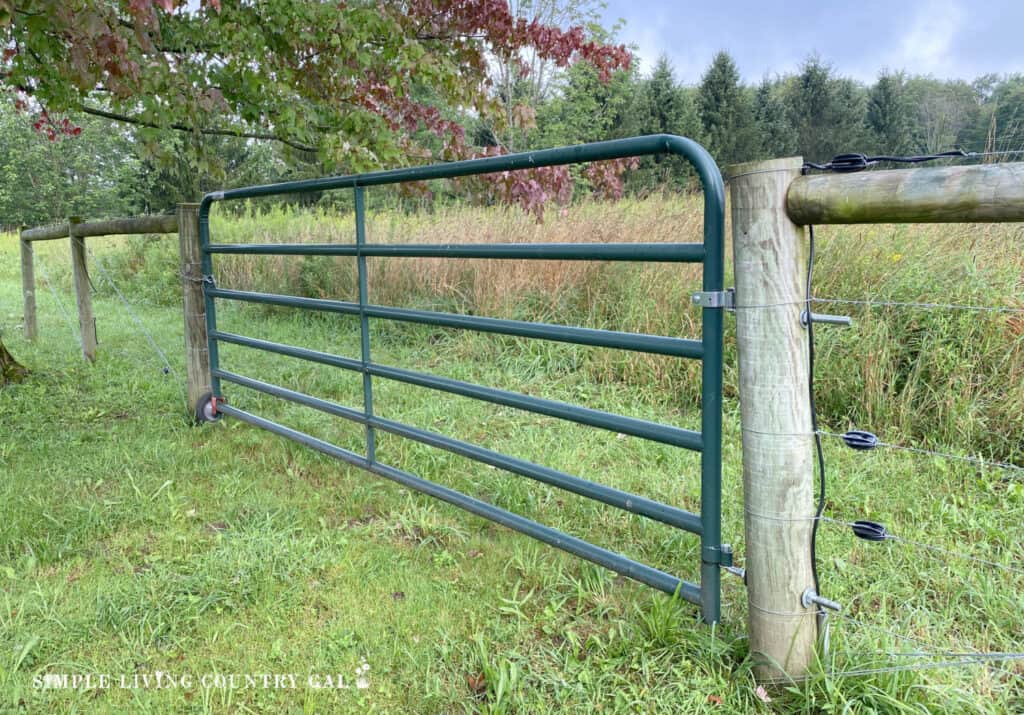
(770, 254)
(197, 355)
(28, 287)
(80, 271)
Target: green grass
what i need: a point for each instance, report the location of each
(132, 542)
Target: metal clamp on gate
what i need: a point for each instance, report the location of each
(720, 555)
(716, 299)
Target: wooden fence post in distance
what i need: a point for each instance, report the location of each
(80, 271)
(770, 255)
(197, 354)
(28, 288)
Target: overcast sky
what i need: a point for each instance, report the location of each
(943, 38)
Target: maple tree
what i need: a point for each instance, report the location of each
(330, 79)
(334, 79)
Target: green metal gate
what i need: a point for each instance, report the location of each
(708, 349)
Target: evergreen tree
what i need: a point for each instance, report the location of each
(725, 112)
(774, 132)
(663, 107)
(889, 114)
(827, 113)
(587, 109)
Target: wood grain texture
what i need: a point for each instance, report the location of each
(953, 194)
(110, 227)
(197, 354)
(45, 233)
(83, 297)
(128, 226)
(770, 257)
(28, 290)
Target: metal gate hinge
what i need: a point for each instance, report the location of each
(716, 299)
(810, 598)
(842, 321)
(720, 555)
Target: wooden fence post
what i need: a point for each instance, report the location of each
(80, 271)
(28, 288)
(770, 254)
(197, 354)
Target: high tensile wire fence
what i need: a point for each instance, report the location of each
(995, 573)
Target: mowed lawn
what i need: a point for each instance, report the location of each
(133, 543)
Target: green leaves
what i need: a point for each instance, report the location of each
(326, 74)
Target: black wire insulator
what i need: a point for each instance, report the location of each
(869, 530)
(845, 163)
(860, 440)
(854, 161)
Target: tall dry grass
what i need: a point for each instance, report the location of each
(930, 376)
(478, 285)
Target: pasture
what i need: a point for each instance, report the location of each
(132, 542)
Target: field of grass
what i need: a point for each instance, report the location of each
(132, 542)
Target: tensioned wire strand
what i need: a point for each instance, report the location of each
(135, 318)
(56, 298)
(922, 306)
(938, 659)
(869, 302)
(950, 157)
(958, 663)
(945, 455)
(1008, 466)
(930, 547)
(887, 537)
(973, 653)
(168, 368)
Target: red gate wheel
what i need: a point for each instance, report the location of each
(206, 408)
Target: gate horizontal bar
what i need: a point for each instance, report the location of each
(653, 431)
(711, 179)
(654, 344)
(653, 252)
(592, 490)
(560, 540)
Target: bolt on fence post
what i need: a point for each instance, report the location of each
(80, 271)
(197, 353)
(28, 287)
(770, 258)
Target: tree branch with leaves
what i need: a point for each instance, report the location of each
(336, 78)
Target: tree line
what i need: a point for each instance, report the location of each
(815, 113)
(118, 169)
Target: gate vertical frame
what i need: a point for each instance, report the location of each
(712, 555)
(364, 321)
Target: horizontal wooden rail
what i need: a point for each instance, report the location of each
(953, 194)
(45, 233)
(109, 227)
(186, 224)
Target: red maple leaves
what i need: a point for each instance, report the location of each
(49, 127)
(309, 74)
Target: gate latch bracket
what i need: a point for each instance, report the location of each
(716, 299)
(720, 555)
